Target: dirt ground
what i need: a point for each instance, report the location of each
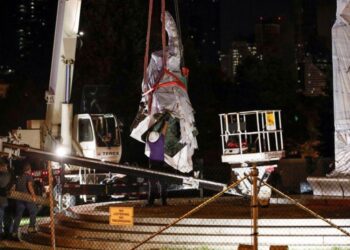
(227, 207)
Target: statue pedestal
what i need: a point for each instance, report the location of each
(330, 186)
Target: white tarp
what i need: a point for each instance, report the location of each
(341, 88)
(167, 92)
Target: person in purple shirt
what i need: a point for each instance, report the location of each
(156, 143)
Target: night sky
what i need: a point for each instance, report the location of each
(113, 48)
(239, 17)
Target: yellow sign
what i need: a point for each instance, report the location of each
(121, 216)
(270, 121)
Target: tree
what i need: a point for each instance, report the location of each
(271, 84)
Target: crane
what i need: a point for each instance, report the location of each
(89, 135)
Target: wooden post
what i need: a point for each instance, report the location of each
(254, 205)
(52, 206)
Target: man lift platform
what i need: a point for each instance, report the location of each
(251, 137)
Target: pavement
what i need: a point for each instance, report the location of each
(227, 207)
(234, 207)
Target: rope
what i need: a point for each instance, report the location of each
(52, 205)
(27, 197)
(307, 209)
(213, 198)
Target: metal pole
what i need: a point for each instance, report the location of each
(68, 63)
(258, 127)
(52, 204)
(254, 205)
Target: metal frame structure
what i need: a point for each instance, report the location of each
(251, 136)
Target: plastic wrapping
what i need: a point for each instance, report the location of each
(165, 92)
(341, 88)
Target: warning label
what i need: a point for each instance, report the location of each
(121, 216)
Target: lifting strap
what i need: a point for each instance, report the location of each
(145, 62)
(148, 35)
(163, 34)
(158, 85)
(177, 82)
(149, 24)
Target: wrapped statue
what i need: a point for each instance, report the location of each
(165, 98)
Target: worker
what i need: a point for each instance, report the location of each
(24, 184)
(5, 178)
(156, 143)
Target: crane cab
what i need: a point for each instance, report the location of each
(98, 136)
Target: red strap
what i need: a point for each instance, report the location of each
(149, 23)
(163, 34)
(177, 82)
(166, 84)
(166, 71)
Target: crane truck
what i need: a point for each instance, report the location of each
(89, 135)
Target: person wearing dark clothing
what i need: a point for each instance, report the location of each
(24, 184)
(156, 143)
(5, 178)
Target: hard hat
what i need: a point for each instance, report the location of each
(153, 136)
